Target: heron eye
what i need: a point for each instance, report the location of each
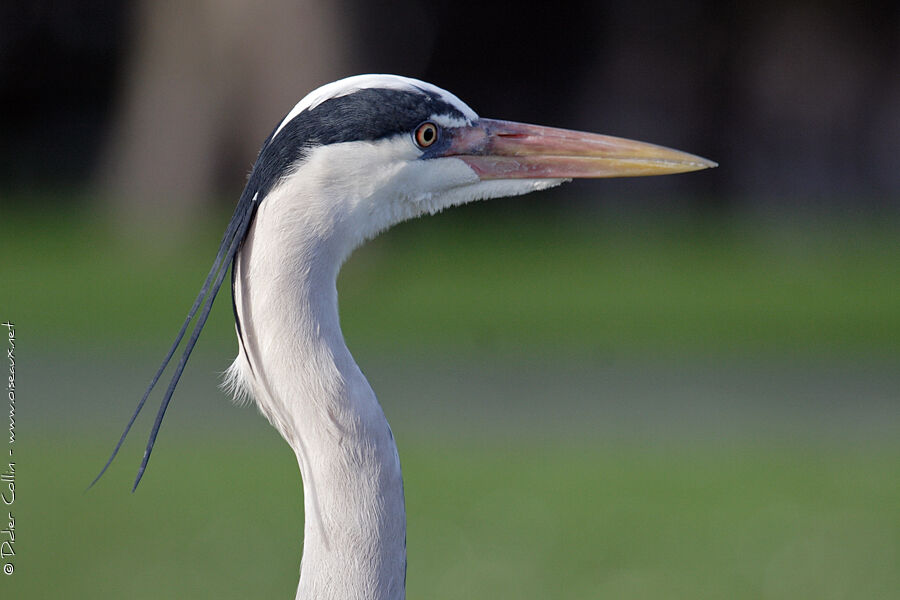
(426, 134)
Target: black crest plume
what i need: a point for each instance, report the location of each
(364, 114)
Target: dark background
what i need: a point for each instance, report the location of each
(798, 101)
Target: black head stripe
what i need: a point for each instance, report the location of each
(369, 114)
(365, 115)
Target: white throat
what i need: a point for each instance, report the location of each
(295, 364)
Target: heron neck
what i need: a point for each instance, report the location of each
(307, 384)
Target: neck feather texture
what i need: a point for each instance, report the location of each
(293, 361)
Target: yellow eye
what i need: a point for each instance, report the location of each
(426, 134)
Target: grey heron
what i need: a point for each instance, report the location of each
(350, 160)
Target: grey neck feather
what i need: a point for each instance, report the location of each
(304, 380)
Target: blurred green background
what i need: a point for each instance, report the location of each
(638, 407)
(680, 388)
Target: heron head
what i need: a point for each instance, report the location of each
(374, 150)
(361, 154)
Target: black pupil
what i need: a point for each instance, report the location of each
(427, 134)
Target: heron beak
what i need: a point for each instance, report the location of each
(507, 150)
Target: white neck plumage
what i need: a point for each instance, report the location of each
(295, 364)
